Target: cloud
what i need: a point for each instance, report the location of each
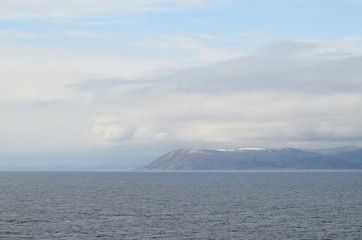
(325, 49)
(199, 48)
(10, 34)
(83, 9)
(87, 34)
(268, 118)
(111, 129)
(284, 95)
(31, 73)
(51, 96)
(299, 93)
(261, 36)
(120, 130)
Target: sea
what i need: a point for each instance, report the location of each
(181, 205)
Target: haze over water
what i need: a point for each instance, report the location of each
(181, 205)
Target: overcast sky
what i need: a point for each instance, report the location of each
(116, 83)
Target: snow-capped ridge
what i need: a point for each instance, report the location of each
(252, 149)
(225, 150)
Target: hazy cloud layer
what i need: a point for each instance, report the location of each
(32, 73)
(282, 95)
(300, 93)
(123, 78)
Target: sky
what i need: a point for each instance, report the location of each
(117, 83)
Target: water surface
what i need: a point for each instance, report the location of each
(181, 205)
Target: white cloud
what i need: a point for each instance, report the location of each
(87, 34)
(349, 46)
(267, 118)
(113, 130)
(117, 129)
(181, 41)
(198, 48)
(9, 34)
(31, 74)
(280, 96)
(261, 36)
(81, 9)
(285, 95)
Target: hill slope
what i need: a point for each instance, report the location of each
(247, 159)
(354, 157)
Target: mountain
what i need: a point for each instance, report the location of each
(354, 157)
(333, 151)
(252, 158)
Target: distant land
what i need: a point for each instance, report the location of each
(347, 158)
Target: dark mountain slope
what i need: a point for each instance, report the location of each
(354, 157)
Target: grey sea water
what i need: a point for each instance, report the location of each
(183, 205)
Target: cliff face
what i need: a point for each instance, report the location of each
(250, 158)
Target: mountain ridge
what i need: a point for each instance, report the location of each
(255, 159)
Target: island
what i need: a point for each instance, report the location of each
(259, 159)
